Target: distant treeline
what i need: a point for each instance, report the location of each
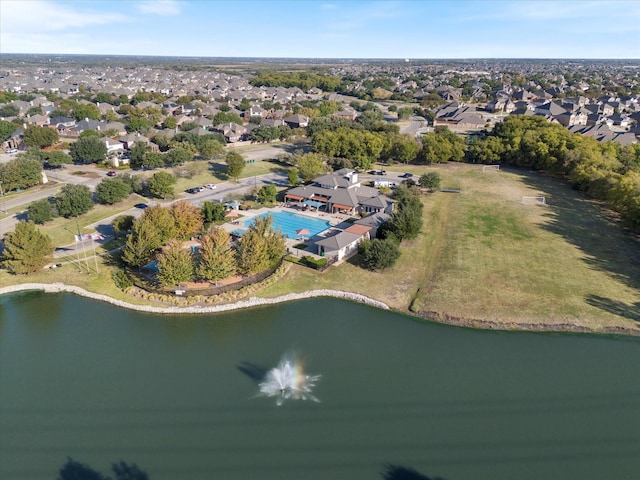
(302, 80)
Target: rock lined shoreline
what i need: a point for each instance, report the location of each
(251, 302)
(355, 297)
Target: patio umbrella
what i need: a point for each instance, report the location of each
(303, 232)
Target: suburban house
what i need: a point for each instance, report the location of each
(297, 121)
(339, 244)
(340, 192)
(232, 131)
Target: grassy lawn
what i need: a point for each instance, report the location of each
(483, 255)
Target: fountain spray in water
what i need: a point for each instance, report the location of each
(288, 381)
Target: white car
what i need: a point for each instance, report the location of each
(210, 186)
(12, 150)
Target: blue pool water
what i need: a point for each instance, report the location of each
(289, 223)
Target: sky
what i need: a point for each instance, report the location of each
(359, 29)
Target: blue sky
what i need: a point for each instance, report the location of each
(324, 29)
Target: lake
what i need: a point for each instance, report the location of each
(178, 395)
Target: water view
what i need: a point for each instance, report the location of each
(314, 389)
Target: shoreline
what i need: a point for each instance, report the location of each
(436, 317)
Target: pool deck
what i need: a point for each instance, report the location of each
(337, 221)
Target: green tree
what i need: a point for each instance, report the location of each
(310, 165)
(152, 160)
(226, 117)
(112, 190)
(26, 249)
(379, 254)
(21, 172)
(122, 223)
(87, 110)
(74, 200)
(274, 240)
(141, 243)
(293, 176)
(430, 180)
(161, 184)
(170, 122)
(175, 264)
(178, 155)
(35, 136)
(88, 150)
(267, 194)
(6, 129)
(235, 165)
(212, 212)
(217, 258)
(137, 152)
(40, 211)
(9, 111)
(55, 158)
(163, 222)
(210, 148)
(407, 221)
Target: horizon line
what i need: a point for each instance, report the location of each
(401, 59)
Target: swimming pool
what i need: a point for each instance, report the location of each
(289, 223)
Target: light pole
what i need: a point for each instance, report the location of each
(2, 199)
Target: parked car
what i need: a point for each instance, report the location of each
(194, 190)
(210, 186)
(406, 175)
(12, 150)
(111, 174)
(142, 206)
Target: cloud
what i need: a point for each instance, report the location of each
(164, 8)
(39, 15)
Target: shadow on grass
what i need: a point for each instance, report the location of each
(615, 307)
(585, 223)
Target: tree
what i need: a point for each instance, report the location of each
(170, 122)
(26, 249)
(35, 136)
(251, 254)
(267, 194)
(430, 180)
(122, 223)
(87, 110)
(137, 153)
(40, 211)
(161, 184)
(56, 158)
(175, 264)
(152, 160)
(217, 260)
(310, 165)
(187, 218)
(293, 176)
(379, 254)
(9, 111)
(6, 129)
(178, 155)
(235, 165)
(212, 212)
(162, 220)
(73, 470)
(112, 190)
(406, 222)
(275, 240)
(210, 148)
(21, 172)
(141, 243)
(88, 150)
(74, 200)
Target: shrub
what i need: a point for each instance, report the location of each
(317, 263)
(121, 279)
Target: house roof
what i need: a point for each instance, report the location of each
(338, 241)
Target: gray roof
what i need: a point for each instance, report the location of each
(338, 241)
